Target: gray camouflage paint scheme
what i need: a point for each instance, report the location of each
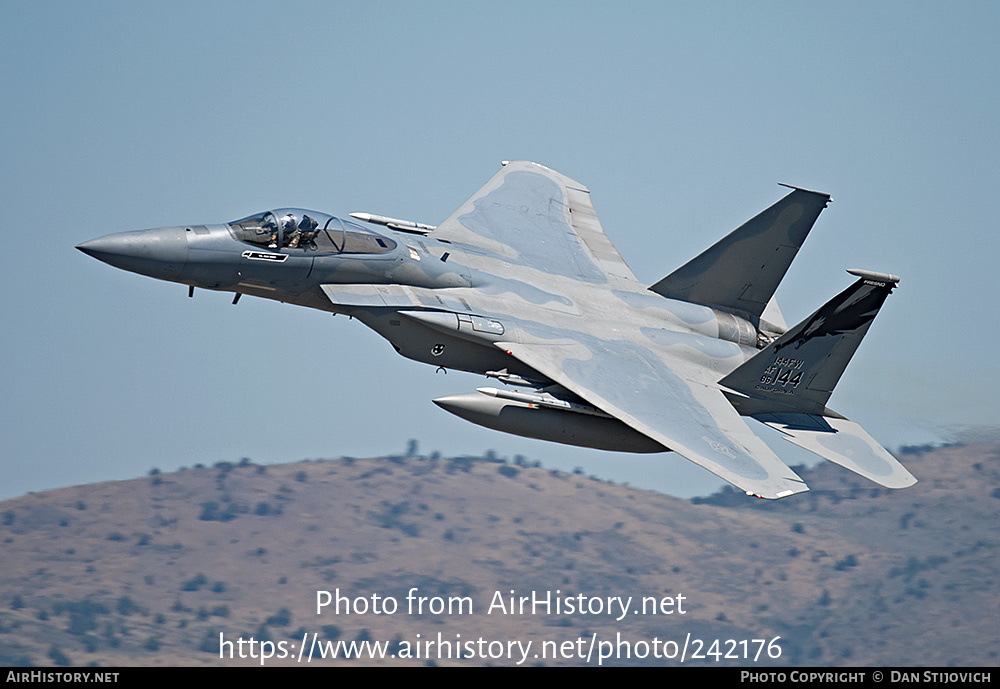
(521, 283)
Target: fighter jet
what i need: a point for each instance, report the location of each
(521, 285)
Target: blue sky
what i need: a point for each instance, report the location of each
(680, 117)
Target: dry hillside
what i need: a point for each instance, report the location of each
(151, 571)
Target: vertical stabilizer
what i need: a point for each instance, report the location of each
(798, 371)
(741, 272)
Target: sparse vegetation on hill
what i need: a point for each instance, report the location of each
(151, 571)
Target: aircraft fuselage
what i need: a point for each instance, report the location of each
(210, 257)
(522, 285)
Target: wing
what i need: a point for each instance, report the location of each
(637, 387)
(536, 221)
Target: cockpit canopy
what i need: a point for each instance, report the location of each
(305, 230)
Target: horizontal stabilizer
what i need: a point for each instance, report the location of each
(842, 442)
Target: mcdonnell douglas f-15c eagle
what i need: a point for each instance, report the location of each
(522, 285)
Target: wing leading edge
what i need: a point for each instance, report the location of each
(690, 418)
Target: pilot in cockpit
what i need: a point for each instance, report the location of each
(308, 230)
(268, 225)
(291, 231)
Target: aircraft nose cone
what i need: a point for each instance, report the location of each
(160, 253)
(102, 247)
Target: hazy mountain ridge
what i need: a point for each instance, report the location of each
(149, 571)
